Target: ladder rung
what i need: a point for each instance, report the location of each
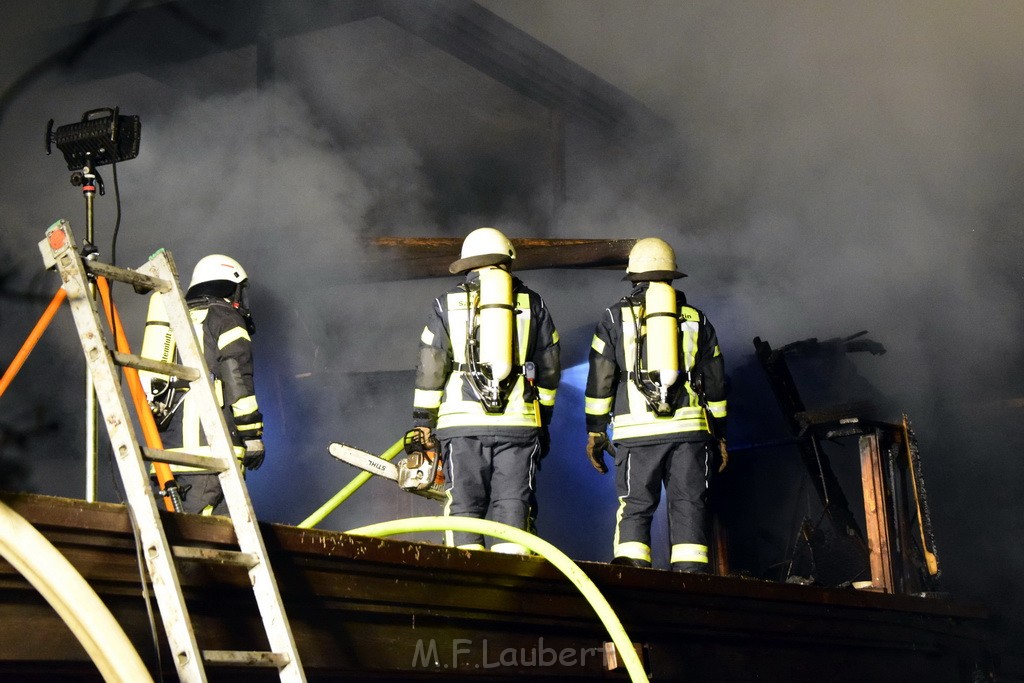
(235, 557)
(207, 462)
(170, 369)
(276, 660)
(132, 277)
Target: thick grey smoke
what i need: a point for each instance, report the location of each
(258, 174)
(845, 165)
(838, 167)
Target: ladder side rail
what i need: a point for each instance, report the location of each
(134, 475)
(236, 495)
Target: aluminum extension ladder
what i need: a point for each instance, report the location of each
(160, 275)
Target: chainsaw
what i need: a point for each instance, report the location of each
(420, 472)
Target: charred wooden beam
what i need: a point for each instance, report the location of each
(398, 258)
(492, 45)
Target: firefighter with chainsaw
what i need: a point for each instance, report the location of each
(223, 324)
(657, 377)
(485, 387)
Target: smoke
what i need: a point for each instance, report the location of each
(846, 165)
(291, 178)
(841, 167)
(260, 175)
(830, 168)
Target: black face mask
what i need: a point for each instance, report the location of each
(235, 294)
(240, 300)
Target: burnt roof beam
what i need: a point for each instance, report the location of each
(173, 32)
(495, 47)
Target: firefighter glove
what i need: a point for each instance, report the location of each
(419, 440)
(723, 455)
(254, 454)
(597, 445)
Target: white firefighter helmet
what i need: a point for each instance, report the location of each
(484, 247)
(652, 259)
(217, 267)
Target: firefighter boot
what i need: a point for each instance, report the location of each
(631, 562)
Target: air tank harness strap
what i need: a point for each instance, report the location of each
(465, 367)
(631, 376)
(529, 391)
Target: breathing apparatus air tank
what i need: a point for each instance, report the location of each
(496, 320)
(662, 320)
(157, 343)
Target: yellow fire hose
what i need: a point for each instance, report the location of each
(350, 488)
(537, 545)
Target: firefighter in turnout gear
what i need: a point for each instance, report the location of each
(218, 306)
(485, 387)
(658, 378)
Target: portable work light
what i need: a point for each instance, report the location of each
(96, 140)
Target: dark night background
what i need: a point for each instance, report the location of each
(820, 168)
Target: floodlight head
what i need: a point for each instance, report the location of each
(96, 140)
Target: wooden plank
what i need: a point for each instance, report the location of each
(876, 514)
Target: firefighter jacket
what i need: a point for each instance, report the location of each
(445, 398)
(612, 396)
(223, 334)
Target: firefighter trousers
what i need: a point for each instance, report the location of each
(202, 493)
(489, 477)
(640, 471)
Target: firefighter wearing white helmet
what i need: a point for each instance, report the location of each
(485, 387)
(657, 378)
(220, 314)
